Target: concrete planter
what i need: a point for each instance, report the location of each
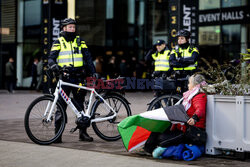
(228, 124)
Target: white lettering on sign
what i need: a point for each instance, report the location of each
(56, 29)
(225, 16)
(209, 17)
(235, 15)
(187, 17)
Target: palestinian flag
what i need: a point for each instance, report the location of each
(136, 129)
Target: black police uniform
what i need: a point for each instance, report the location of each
(77, 75)
(184, 57)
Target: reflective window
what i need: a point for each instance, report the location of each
(156, 21)
(90, 17)
(160, 16)
(209, 35)
(233, 3)
(31, 37)
(32, 12)
(231, 35)
(209, 4)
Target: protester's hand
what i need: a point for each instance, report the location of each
(191, 121)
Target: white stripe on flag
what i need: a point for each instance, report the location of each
(158, 114)
(138, 145)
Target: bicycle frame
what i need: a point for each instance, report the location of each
(59, 90)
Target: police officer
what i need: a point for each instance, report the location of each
(184, 56)
(71, 51)
(160, 55)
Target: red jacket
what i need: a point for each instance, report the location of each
(198, 107)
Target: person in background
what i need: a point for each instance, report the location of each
(123, 67)
(39, 74)
(111, 68)
(10, 75)
(34, 74)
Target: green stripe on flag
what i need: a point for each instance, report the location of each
(126, 135)
(146, 123)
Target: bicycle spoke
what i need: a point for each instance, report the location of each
(107, 130)
(164, 101)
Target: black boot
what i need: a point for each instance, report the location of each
(83, 136)
(57, 126)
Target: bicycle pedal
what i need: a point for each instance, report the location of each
(73, 130)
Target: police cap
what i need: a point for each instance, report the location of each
(159, 42)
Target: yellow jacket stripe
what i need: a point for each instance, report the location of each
(56, 47)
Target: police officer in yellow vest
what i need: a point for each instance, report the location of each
(160, 55)
(71, 51)
(184, 56)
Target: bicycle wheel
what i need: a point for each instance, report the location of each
(164, 101)
(38, 129)
(107, 130)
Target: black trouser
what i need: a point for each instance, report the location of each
(10, 81)
(166, 139)
(33, 83)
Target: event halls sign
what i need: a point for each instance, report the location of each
(234, 15)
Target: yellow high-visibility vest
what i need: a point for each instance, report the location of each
(185, 53)
(67, 55)
(161, 60)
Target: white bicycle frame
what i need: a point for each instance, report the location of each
(50, 108)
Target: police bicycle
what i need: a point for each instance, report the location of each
(106, 111)
(169, 90)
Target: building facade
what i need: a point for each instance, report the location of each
(121, 28)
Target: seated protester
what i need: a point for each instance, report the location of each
(157, 128)
(195, 106)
